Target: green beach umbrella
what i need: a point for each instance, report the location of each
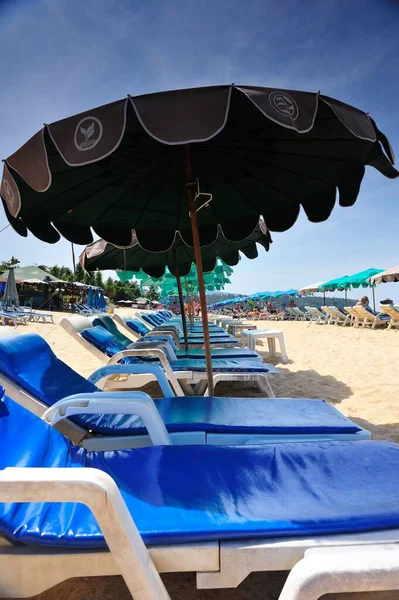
(348, 282)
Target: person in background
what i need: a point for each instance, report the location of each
(365, 302)
(292, 303)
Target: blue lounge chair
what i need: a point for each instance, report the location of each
(221, 511)
(218, 337)
(110, 325)
(35, 377)
(190, 371)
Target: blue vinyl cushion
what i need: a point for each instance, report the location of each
(102, 339)
(137, 327)
(109, 324)
(29, 361)
(180, 494)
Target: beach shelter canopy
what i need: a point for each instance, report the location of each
(389, 276)
(10, 296)
(27, 274)
(101, 255)
(312, 288)
(347, 282)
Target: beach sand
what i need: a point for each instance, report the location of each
(354, 369)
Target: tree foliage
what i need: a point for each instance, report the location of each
(6, 265)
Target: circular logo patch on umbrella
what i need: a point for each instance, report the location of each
(88, 133)
(284, 104)
(9, 194)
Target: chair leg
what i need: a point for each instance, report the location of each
(265, 387)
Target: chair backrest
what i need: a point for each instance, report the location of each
(388, 309)
(74, 326)
(337, 312)
(103, 340)
(137, 327)
(110, 325)
(29, 362)
(363, 313)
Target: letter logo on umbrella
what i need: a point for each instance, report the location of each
(88, 133)
(284, 104)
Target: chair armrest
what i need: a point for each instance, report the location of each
(154, 352)
(99, 492)
(112, 403)
(157, 343)
(134, 370)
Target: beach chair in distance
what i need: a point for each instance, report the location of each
(370, 320)
(318, 317)
(300, 314)
(341, 317)
(15, 318)
(338, 540)
(393, 313)
(355, 317)
(336, 316)
(291, 314)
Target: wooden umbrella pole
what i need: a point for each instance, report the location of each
(188, 302)
(198, 262)
(181, 300)
(192, 302)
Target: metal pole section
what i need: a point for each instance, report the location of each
(73, 258)
(373, 297)
(198, 262)
(181, 299)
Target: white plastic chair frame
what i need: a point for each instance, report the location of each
(319, 565)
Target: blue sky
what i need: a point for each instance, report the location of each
(59, 57)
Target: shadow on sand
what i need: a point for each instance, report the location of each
(385, 431)
(292, 384)
(258, 586)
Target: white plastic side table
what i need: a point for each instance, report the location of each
(271, 335)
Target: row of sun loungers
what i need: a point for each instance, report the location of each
(179, 491)
(356, 316)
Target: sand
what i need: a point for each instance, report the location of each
(354, 369)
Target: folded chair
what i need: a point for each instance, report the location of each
(328, 511)
(135, 329)
(35, 378)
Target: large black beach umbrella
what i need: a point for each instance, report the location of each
(102, 255)
(179, 258)
(149, 163)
